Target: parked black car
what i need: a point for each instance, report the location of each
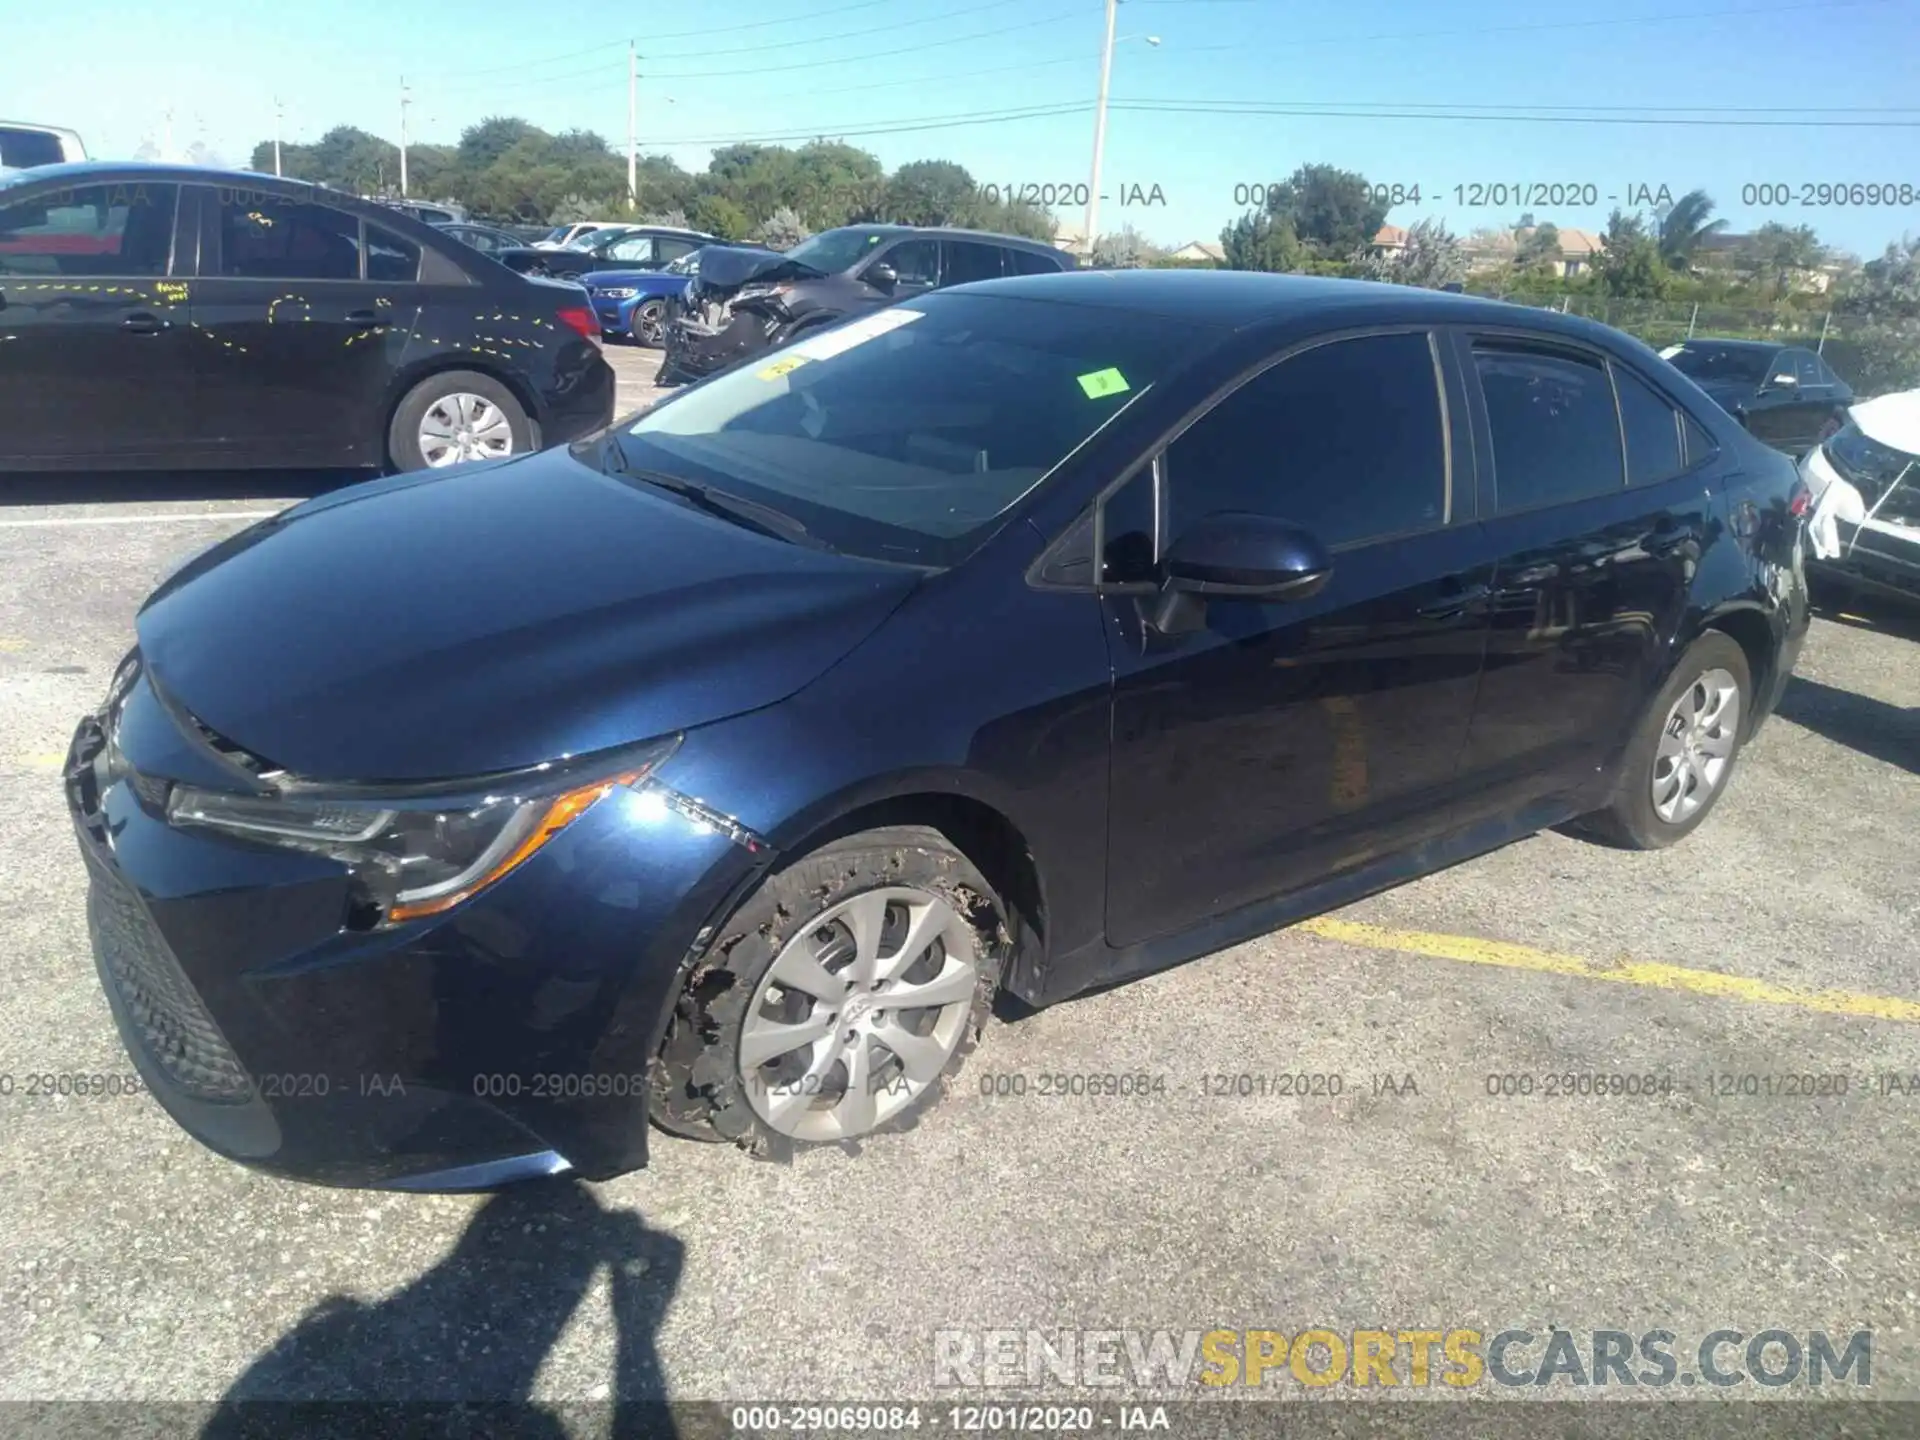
(637, 247)
(1028, 636)
(745, 301)
(159, 317)
(1785, 395)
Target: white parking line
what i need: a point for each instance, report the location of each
(161, 519)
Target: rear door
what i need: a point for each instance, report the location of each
(94, 341)
(966, 261)
(301, 311)
(1596, 520)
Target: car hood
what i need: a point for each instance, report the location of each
(493, 616)
(1892, 420)
(602, 279)
(728, 267)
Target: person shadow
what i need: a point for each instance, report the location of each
(457, 1351)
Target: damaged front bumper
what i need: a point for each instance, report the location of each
(706, 336)
(509, 1037)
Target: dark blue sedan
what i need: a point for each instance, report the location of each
(1032, 635)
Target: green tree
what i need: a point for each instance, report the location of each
(1331, 211)
(931, 192)
(1776, 256)
(1125, 249)
(1257, 241)
(781, 230)
(1433, 256)
(1683, 229)
(1629, 266)
(1536, 249)
(717, 215)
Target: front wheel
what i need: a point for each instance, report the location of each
(649, 324)
(1681, 758)
(839, 1000)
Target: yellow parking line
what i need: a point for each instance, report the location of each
(1625, 971)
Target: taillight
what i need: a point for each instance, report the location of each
(1801, 501)
(581, 320)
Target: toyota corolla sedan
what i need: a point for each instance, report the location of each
(717, 771)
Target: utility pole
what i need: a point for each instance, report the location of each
(276, 134)
(404, 102)
(166, 139)
(1100, 128)
(633, 125)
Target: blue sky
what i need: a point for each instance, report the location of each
(773, 69)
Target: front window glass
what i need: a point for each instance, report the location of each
(904, 434)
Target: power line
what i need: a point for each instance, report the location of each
(1177, 107)
(887, 127)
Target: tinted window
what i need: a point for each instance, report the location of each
(967, 261)
(267, 237)
(1556, 435)
(916, 262)
(666, 251)
(1028, 262)
(1131, 532)
(1805, 368)
(903, 433)
(1708, 362)
(389, 257)
(23, 149)
(1653, 430)
(1827, 375)
(1344, 439)
(1699, 443)
(89, 230)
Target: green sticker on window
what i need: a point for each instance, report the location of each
(1102, 383)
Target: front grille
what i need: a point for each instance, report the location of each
(167, 1017)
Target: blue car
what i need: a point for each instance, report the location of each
(720, 769)
(632, 304)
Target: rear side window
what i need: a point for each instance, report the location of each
(1028, 262)
(1699, 443)
(269, 237)
(665, 252)
(1556, 434)
(390, 257)
(1653, 430)
(124, 229)
(967, 261)
(1345, 440)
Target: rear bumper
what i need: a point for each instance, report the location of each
(580, 399)
(509, 1038)
(1874, 560)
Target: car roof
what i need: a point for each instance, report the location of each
(1758, 346)
(1238, 298)
(954, 232)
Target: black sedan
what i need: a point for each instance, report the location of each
(637, 247)
(1784, 395)
(159, 317)
(484, 238)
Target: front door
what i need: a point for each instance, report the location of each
(1283, 742)
(94, 357)
(297, 333)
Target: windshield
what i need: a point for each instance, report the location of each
(904, 434)
(1720, 362)
(832, 251)
(1888, 479)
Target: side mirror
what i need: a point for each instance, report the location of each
(882, 276)
(1234, 556)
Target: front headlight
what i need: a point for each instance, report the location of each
(618, 292)
(414, 856)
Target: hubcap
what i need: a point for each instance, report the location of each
(1696, 746)
(859, 1014)
(464, 427)
(648, 322)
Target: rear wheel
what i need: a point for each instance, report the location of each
(455, 416)
(839, 999)
(1680, 760)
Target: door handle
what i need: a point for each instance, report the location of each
(363, 319)
(144, 322)
(1454, 603)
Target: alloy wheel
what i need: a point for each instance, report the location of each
(464, 426)
(859, 1014)
(650, 324)
(1696, 746)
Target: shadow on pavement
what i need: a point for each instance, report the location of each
(131, 487)
(1872, 727)
(465, 1341)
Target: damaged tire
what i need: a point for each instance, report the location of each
(839, 1000)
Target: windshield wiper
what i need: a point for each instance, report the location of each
(749, 513)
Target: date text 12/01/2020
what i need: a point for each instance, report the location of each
(1638, 194)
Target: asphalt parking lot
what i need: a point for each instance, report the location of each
(1778, 941)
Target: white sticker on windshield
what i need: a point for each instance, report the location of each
(855, 332)
(1671, 351)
